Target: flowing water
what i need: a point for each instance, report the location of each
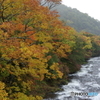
(86, 82)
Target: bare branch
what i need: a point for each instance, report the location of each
(49, 3)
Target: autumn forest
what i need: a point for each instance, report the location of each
(37, 50)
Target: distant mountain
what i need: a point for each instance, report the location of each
(80, 21)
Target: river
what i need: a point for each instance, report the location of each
(84, 85)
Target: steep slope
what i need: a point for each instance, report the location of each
(80, 21)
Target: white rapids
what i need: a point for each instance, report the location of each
(86, 80)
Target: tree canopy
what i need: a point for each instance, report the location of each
(37, 48)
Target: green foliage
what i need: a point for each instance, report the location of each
(54, 59)
(80, 21)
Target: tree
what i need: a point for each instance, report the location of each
(50, 3)
(26, 35)
(3, 93)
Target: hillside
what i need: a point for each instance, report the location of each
(80, 21)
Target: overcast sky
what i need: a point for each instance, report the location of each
(91, 7)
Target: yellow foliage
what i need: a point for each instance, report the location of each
(21, 96)
(54, 66)
(87, 40)
(58, 74)
(3, 93)
(48, 45)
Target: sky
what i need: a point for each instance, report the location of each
(91, 7)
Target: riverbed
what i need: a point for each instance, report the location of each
(84, 85)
